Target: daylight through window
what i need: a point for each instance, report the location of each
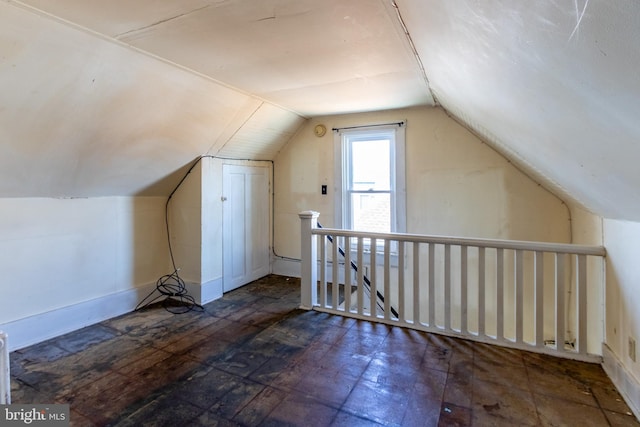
(371, 169)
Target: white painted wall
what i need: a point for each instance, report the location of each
(212, 249)
(456, 185)
(68, 263)
(196, 219)
(185, 223)
(620, 299)
(622, 240)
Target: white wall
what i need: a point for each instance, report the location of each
(622, 241)
(185, 220)
(68, 263)
(621, 297)
(212, 249)
(456, 185)
(196, 218)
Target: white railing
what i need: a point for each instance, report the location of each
(5, 379)
(542, 297)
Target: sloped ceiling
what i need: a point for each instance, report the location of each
(313, 57)
(114, 97)
(552, 84)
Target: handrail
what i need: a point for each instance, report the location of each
(487, 243)
(534, 296)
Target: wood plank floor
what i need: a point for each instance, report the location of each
(253, 359)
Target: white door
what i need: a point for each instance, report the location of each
(245, 224)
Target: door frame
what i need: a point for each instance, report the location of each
(266, 169)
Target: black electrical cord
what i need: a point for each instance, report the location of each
(273, 216)
(170, 287)
(176, 299)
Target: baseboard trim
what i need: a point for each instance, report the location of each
(286, 267)
(41, 327)
(293, 268)
(625, 382)
(206, 292)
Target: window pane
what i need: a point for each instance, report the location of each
(371, 212)
(370, 165)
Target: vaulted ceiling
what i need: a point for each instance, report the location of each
(115, 97)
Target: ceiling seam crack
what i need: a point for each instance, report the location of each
(162, 21)
(122, 44)
(423, 71)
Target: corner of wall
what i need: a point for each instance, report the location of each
(185, 217)
(586, 227)
(285, 267)
(625, 382)
(204, 293)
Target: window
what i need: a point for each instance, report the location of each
(370, 177)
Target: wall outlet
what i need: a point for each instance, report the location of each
(632, 349)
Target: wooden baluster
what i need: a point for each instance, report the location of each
(323, 271)
(432, 286)
(481, 292)
(335, 285)
(447, 287)
(519, 295)
(560, 302)
(387, 279)
(581, 285)
(372, 279)
(539, 298)
(463, 290)
(401, 309)
(500, 294)
(347, 274)
(360, 278)
(416, 283)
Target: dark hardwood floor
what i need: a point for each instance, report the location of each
(252, 358)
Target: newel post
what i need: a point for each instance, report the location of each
(309, 254)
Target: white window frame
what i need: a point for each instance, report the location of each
(397, 168)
